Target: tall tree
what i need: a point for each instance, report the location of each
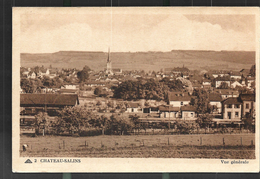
(84, 74)
(201, 101)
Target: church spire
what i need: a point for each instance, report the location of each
(108, 60)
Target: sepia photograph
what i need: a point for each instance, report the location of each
(120, 88)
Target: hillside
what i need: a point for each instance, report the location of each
(147, 61)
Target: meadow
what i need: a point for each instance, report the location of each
(224, 146)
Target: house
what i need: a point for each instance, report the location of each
(34, 103)
(44, 72)
(134, 108)
(235, 84)
(215, 100)
(178, 70)
(227, 93)
(68, 91)
(95, 83)
(117, 71)
(197, 85)
(235, 75)
(31, 75)
(188, 112)
(169, 112)
(206, 84)
(69, 86)
(249, 81)
(178, 99)
(248, 101)
(221, 80)
(221, 73)
(231, 108)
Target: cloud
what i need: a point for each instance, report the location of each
(130, 32)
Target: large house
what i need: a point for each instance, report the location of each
(215, 100)
(178, 99)
(248, 101)
(231, 108)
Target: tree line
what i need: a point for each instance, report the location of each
(147, 89)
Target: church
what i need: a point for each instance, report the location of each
(109, 70)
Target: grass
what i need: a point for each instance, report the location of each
(157, 146)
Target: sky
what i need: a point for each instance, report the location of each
(124, 31)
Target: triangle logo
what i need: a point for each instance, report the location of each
(28, 161)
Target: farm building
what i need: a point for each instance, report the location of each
(34, 103)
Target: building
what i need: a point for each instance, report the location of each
(178, 99)
(206, 84)
(235, 84)
(188, 112)
(227, 93)
(32, 103)
(248, 101)
(215, 100)
(235, 75)
(231, 108)
(220, 80)
(109, 65)
(178, 70)
(134, 108)
(169, 112)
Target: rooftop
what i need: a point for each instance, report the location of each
(247, 97)
(188, 108)
(50, 100)
(215, 97)
(168, 108)
(232, 100)
(179, 96)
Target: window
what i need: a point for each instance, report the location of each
(236, 114)
(181, 103)
(247, 106)
(229, 106)
(132, 109)
(191, 114)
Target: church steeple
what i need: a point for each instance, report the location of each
(108, 59)
(109, 64)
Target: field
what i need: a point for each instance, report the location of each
(226, 146)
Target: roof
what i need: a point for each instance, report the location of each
(215, 97)
(235, 73)
(247, 97)
(188, 108)
(183, 69)
(179, 96)
(116, 70)
(232, 100)
(68, 90)
(133, 105)
(166, 109)
(50, 100)
(225, 78)
(226, 91)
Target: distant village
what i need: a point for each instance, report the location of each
(165, 96)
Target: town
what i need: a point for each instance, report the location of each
(112, 101)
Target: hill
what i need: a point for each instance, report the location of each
(234, 60)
